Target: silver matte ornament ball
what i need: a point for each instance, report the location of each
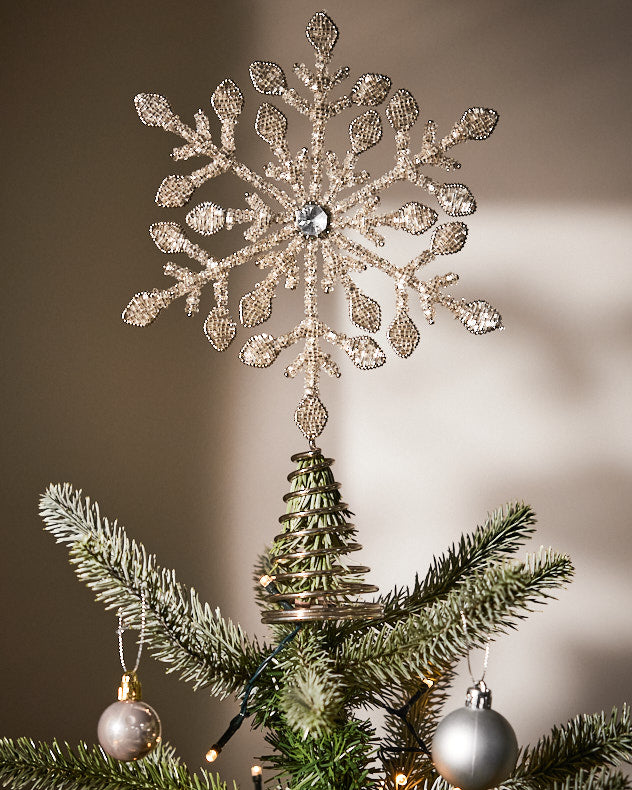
(130, 728)
(474, 747)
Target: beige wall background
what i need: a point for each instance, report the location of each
(190, 449)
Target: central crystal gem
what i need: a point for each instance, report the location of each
(312, 219)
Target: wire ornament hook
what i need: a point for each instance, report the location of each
(141, 639)
(485, 660)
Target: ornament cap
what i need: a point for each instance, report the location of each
(130, 688)
(479, 696)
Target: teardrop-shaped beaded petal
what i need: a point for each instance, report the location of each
(402, 110)
(153, 109)
(364, 352)
(370, 90)
(311, 416)
(448, 238)
(255, 307)
(219, 329)
(271, 125)
(167, 236)
(207, 218)
(364, 311)
(144, 307)
(403, 335)
(365, 131)
(227, 101)
(414, 218)
(322, 33)
(479, 317)
(479, 122)
(174, 191)
(456, 200)
(260, 351)
(267, 77)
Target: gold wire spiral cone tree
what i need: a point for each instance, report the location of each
(308, 567)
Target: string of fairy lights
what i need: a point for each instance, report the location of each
(385, 753)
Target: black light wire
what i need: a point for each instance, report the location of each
(237, 721)
(386, 753)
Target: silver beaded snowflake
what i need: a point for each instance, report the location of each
(300, 229)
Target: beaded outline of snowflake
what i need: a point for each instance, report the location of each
(306, 220)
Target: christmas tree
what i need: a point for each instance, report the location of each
(333, 654)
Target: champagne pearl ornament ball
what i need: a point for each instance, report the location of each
(130, 728)
(474, 747)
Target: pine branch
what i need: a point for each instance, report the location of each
(206, 649)
(431, 640)
(503, 533)
(312, 702)
(25, 763)
(340, 760)
(597, 779)
(586, 742)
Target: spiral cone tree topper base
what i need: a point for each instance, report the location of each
(298, 215)
(309, 575)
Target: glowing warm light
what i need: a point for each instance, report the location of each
(264, 581)
(212, 755)
(429, 682)
(401, 779)
(256, 770)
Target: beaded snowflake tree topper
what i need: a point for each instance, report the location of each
(298, 232)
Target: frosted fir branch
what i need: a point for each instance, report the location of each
(596, 779)
(502, 534)
(25, 763)
(567, 757)
(312, 702)
(310, 763)
(312, 698)
(431, 640)
(203, 647)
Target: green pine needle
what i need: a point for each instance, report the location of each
(429, 642)
(338, 761)
(203, 647)
(578, 747)
(25, 763)
(503, 533)
(312, 701)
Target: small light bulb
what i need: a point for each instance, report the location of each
(401, 779)
(429, 682)
(264, 581)
(256, 770)
(212, 755)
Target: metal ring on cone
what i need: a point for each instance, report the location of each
(300, 533)
(350, 588)
(356, 611)
(333, 551)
